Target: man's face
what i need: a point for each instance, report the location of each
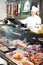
(33, 13)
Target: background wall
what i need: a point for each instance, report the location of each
(2, 9)
(41, 10)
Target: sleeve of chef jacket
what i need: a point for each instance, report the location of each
(27, 21)
(24, 21)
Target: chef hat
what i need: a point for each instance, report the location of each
(34, 9)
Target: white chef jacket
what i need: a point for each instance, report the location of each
(33, 21)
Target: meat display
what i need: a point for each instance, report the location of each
(22, 53)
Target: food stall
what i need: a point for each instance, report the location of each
(18, 51)
(19, 45)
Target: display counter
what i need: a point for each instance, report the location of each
(15, 50)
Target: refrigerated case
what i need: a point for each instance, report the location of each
(10, 33)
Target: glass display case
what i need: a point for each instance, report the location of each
(12, 45)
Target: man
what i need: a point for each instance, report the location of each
(34, 21)
(33, 24)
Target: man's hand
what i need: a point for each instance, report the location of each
(30, 28)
